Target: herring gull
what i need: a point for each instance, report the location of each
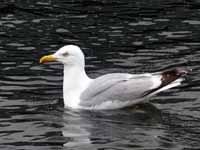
(110, 91)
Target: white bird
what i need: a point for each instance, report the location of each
(110, 91)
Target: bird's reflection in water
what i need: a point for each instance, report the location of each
(94, 129)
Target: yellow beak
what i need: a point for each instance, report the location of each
(47, 58)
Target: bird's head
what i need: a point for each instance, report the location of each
(68, 55)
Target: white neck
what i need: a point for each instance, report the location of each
(75, 82)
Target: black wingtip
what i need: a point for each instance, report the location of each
(176, 72)
(168, 77)
(173, 74)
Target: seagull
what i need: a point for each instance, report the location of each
(110, 91)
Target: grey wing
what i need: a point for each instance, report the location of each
(116, 87)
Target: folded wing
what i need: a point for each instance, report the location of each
(117, 90)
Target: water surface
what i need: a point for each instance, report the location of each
(116, 36)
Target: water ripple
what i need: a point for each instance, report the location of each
(116, 36)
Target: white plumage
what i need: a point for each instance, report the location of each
(111, 91)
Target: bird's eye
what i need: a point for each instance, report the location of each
(65, 54)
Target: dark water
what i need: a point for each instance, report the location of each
(117, 36)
